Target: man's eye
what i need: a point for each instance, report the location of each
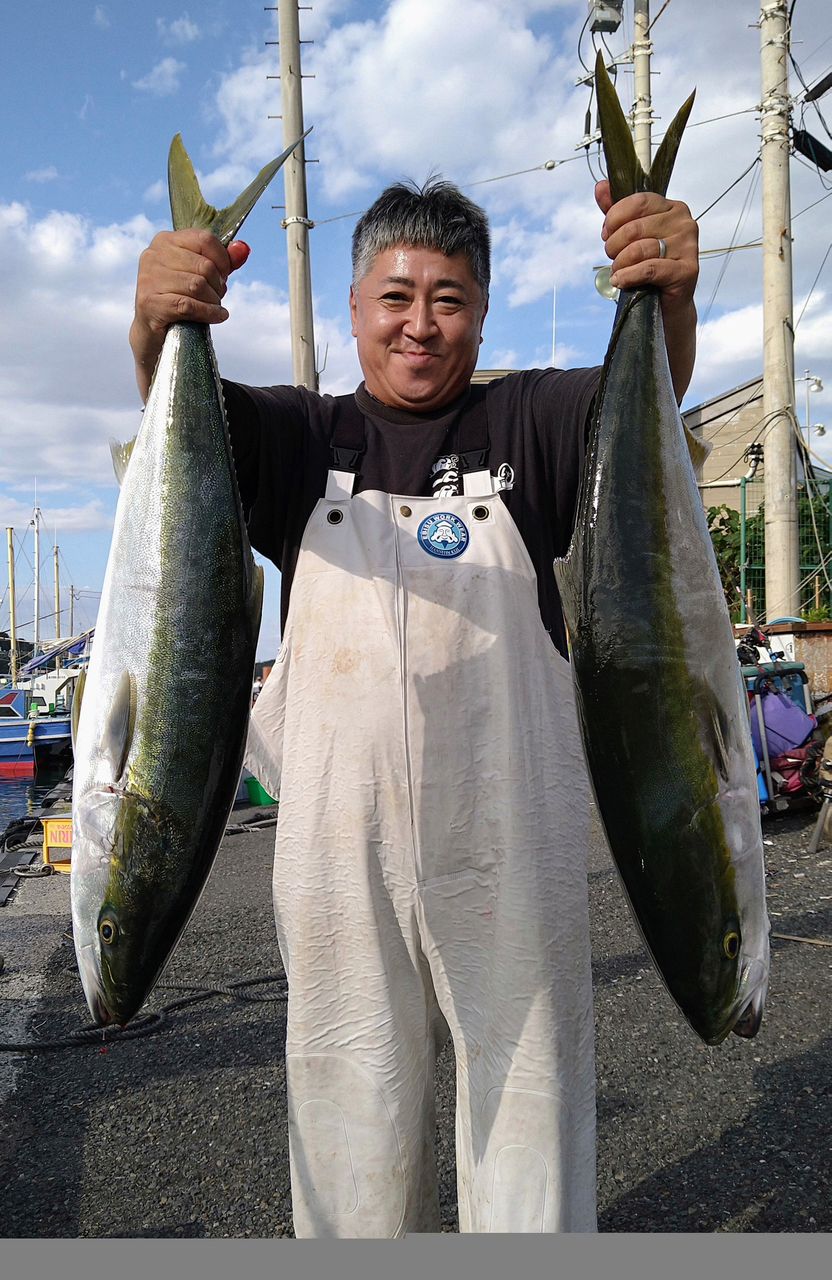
(393, 297)
(449, 300)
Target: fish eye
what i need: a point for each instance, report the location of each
(731, 944)
(108, 931)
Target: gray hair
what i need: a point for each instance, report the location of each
(434, 216)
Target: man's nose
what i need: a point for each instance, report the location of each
(420, 321)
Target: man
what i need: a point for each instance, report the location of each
(419, 720)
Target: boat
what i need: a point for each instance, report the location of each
(27, 736)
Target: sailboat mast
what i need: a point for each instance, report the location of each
(12, 610)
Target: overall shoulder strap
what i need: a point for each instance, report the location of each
(346, 449)
(474, 445)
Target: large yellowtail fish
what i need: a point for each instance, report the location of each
(164, 712)
(661, 705)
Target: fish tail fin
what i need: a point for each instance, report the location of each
(624, 169)
(188, 206)
(665, 157)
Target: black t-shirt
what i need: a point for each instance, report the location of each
(537, 423)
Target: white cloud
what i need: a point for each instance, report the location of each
(101, 18)
(179, 31)
(48, 174)
(155, 192)
(91, 517)
(163, 79)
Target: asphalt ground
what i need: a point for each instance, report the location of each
(181, 1132)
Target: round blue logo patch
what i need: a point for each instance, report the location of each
(443, 535)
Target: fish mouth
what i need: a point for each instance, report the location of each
(93, 987)
(753, 989)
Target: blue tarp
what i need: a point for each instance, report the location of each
(69, 648)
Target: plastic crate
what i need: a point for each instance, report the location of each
(57, 842)
(257, 794)
(790, 677)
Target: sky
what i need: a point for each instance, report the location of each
(480, 91)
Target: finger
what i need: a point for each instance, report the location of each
(603, 197)
(238, 252)
(195, 252)
(180, 272)
(168, 309)
(637, 209)
(641, 251)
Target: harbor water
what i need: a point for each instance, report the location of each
(22, 796)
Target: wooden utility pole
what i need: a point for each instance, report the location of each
(296, 222)
(643, 104)
(781, 529)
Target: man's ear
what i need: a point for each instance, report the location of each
(353, 308)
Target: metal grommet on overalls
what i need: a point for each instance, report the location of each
(480, 513)
(406, 511)
(335, 516)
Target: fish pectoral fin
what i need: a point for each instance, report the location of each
(256, 596)
(188, 206)
(121, 451)
(75, 710)
(699, 450)
(121, 722)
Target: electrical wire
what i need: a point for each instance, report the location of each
(801, 446)
(653, 21)
(814, 282)
(700, 216)
(740, 220)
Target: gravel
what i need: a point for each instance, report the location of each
(182, 1132)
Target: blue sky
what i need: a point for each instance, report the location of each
(477, 89)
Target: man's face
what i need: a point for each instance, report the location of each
(417, 316)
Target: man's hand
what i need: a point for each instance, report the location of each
(632, 232)
(182, 276)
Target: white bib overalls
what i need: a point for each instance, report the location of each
(430, 872)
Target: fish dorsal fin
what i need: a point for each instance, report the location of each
(75, 710)
(121, 722)
(624, 169)
(121, 451)
(188, 206)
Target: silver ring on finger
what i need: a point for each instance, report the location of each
(662, 247)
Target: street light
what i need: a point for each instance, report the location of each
(813, 383)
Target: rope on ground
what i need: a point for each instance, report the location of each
(791, 937)
(254, 824)
(151, 1022)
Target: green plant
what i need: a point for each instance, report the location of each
(724, 528)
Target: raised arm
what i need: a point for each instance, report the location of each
(182, 276)
(631, 233)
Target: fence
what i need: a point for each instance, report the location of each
(815, 541)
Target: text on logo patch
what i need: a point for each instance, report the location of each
(443, 534)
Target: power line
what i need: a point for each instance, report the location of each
(814, 282)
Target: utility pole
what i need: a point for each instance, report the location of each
(642, 105)
(781, 530)
(296, 222)
(12, 609)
